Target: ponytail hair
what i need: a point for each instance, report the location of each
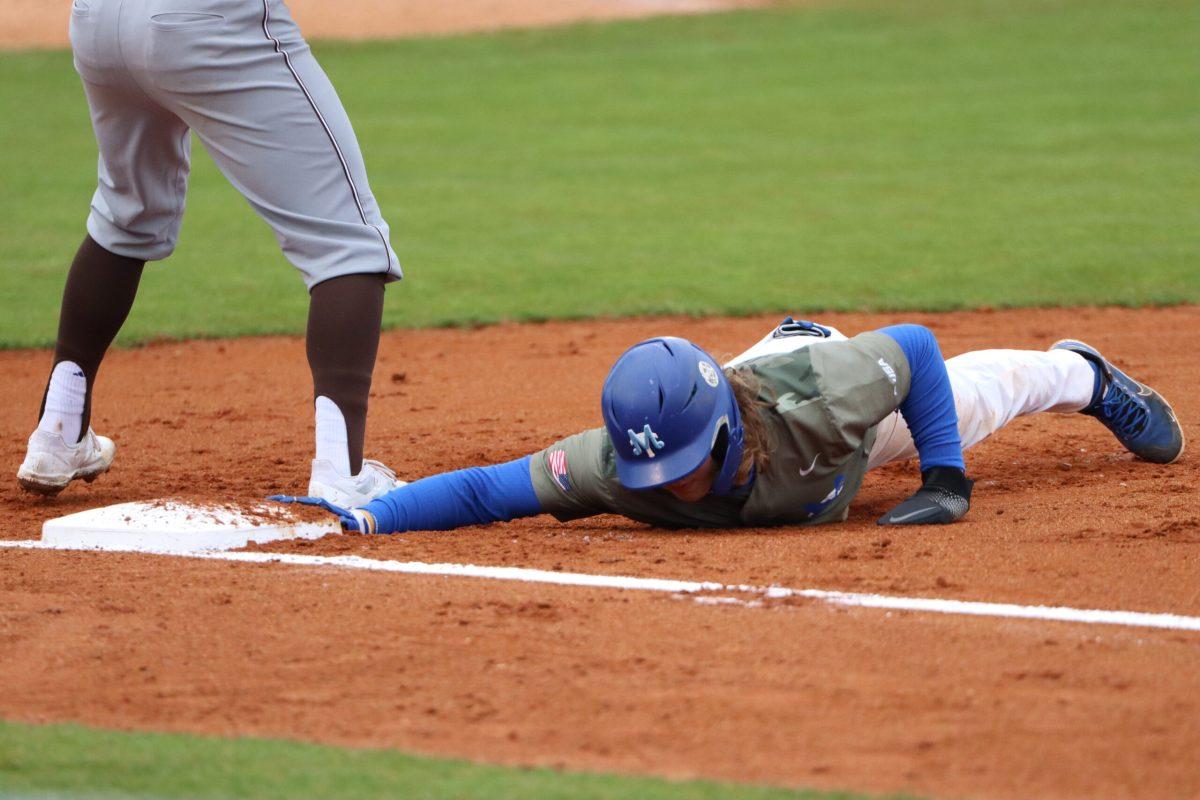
(756, 451)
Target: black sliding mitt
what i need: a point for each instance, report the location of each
(944, 496)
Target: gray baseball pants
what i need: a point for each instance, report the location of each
(239, 74)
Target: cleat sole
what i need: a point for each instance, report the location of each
(45, 490)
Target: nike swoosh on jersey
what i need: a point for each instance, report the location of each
(788, 403)
(811, 467)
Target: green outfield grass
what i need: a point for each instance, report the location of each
(931, 154)
(866, 154)
(68, 761)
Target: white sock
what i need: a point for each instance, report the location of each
(332, 443)
(64, 402)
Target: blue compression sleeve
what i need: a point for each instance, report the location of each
(929, 407)
(453, 499)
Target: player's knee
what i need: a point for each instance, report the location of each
(147, 238)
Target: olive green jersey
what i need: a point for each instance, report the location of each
(820, 404)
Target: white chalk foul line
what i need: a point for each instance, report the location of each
(1084, 616)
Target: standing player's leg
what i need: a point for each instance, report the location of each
(344, 318)
(246, 82)
(98, 295)
(135, 217)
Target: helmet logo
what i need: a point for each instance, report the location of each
(645, 442)
(709, 373)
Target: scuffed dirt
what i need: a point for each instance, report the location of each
(794, 693)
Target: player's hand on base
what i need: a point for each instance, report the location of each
(354, 521)
(944, 496)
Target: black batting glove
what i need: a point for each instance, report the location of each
(944, 496)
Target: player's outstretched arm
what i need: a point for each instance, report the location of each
(928, 410)
(474, 496)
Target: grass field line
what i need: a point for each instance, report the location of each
(705, 589)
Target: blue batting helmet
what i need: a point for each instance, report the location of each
(668, 407)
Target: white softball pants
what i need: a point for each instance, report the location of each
(239, 74)
(991, 389)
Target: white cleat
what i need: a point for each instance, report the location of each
(348, 491)
(50, 463)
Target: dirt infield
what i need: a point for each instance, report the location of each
(798, 693)
(43, 23)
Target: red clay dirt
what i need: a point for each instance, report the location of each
(794, 694)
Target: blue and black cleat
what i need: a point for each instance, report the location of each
(1136, 414)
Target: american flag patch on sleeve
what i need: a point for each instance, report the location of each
(556, 460)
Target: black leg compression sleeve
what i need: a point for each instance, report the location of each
(100, 290)
(344, 317)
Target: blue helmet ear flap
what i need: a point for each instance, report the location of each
(734, 446)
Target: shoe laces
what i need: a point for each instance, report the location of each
(378, 466)
(1123, 411)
